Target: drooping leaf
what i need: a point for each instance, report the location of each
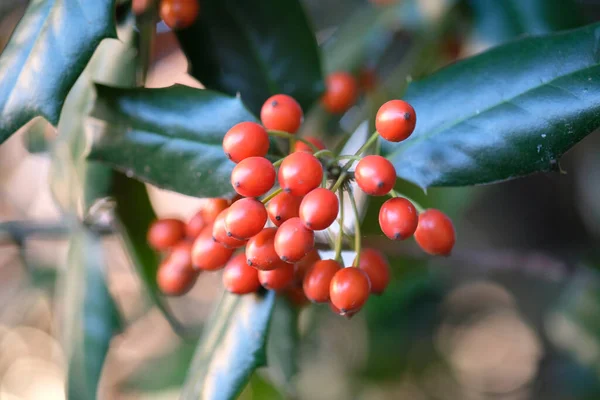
(135, 214)
(233, 345)
(170, 137)
(256, 48)
(90, 315)
(282, 346)
(47, 52)
(499, 21)
(508, 112)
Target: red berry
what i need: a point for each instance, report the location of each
(349, 289)
(293, 240)
(219, 233)
(195, 226)
(253, 176)
(395, 120)
(300, 173)
(301, 146)
(375, 175)
(239, 277)
(281, 113)
(377, 268)
(347, 314)
(207, 213)
(319, 209)
(207, 254)
(260, 251)
(398, 218)
(283, 207)
(302, 266)
(296, 296)
(318, 279)
(179, 14)
(245, 218)
(277, 279)
(367, 79)
(341, 91)
(435, 233)
(165, 233)
(244, 140)
(175, 275)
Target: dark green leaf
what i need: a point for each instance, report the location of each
(170, 137)
(257, 48)
(135, 215)
(508, 112)
(91, 317)
(282, 346)
(48, 50)
(232, 347)
(499, 21)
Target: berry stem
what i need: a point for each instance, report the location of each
(367, 144)
(418, 206)
(349, 157)
(324, 152)
(353, 158)
(293, 139)
(357, 238)
(271, 195)
(278, 163)
(340, 238)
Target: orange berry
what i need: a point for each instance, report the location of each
(244, 140)
(377, 268)
(300, 173)
(349, 289)
(302, 266)
(281, 113)
(375, 175)
(296, 296)
(395, 121)
(207, 254)
(398, 218)
(253, 176)
(318, 279)
(293, 240)
(245, 218)
(283, 207)
(435, 233)
(260, 251)
(319, 209)
(239, 277)
(195, 226)
(367, 79)
(277, 279)
(165, 233)
(219, 233)
(175, 275)
(179, 14)
(341, 92)
(301, 146)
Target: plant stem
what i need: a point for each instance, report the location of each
(324, 152)
(357, 238)
(367, 144)
(418, 206)
(278, 162)
(349, 157)
(292, 139)
(353, 158)
(270, 196)
(340, 237)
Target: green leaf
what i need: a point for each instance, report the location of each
(170, 137)
(90, 316)
(499, 21)
(38, 136)
(282, 346)
(231, 348)
(257, 48)
(47, 52)
(135, 214)
(508, 112)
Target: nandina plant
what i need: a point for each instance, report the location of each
(274, 141)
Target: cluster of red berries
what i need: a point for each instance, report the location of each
(277, 233)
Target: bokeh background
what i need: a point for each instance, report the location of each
(514, 314)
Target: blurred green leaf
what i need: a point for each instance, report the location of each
(135, 214)
(282, 346)
(90, 315)
(170, 137)
(233, 345)
(497, 22)
(260, 389)
(47, 52)
(490, 118)
(37, 137)
(256, 48)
